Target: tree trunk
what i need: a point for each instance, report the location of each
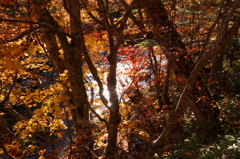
(73, 64)
(217, 65)
(50, 40)
(115, 117)
(225, 35)
(176, 53)
(166, 99)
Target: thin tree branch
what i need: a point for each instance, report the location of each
(27, 32)
(98, 116)
(219, 46)
(90, 14)
(5, 151)
(21, 21)
(210, 30)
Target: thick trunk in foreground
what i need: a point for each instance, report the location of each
(73, 60)
(73, 64)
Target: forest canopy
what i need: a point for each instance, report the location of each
(82, 79)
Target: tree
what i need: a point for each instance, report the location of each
(60, 57)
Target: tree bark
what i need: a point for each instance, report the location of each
(50, 40)
(217, 66)
(73, 64)
(166, 99)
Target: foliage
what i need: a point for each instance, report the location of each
(116, 79)
(221, 147)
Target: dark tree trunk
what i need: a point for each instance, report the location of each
(225, 35)
(180, 60)
(50, 40)
(217, 65)
(73, 53)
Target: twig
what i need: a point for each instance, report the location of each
(27, 32)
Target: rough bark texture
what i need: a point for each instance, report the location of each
(80, 99)
(73, 64)
(49, 39)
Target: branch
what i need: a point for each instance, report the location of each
(96, 77)
(41, 25)
(134, 19)
(232, 30)
(21, 21)
(232, 10)
(5, 151)
(218, 46)
(90, 14)
(127, 14)
(210, 30)
(19, 36)
(6, 98)
(13, 136)
(66, 7)
(98, 116)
